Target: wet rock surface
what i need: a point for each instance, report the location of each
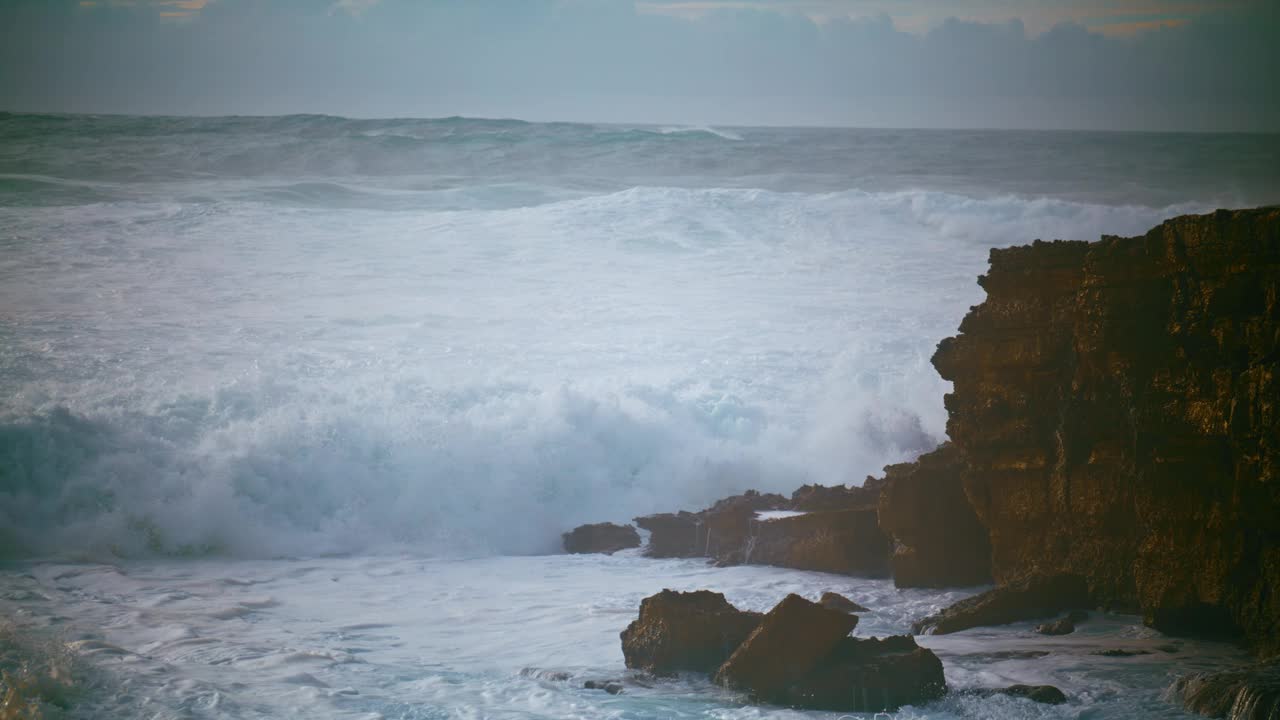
(606, 538)
(1027, 599)
(685, 631)
(1251, 693)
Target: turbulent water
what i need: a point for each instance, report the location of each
(224, 342)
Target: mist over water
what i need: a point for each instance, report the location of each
(305, 335)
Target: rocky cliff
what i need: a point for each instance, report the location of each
(1115, 416)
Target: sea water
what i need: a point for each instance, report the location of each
(293, 410)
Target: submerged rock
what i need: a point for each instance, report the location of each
(938, 540)
(790, 641)
(685, 631)
(1121, 652)
(836, 601)
(606, 538)
(1027, 599)
(1251, 693)
(1046, 694)
(1061, 626)
(613, 687)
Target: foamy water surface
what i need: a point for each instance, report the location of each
(418, 348)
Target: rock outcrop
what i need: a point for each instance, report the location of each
(1248, 694)
(845, 540)
(607, 538)
(1026, 599)
(685, 631)
(938, 539)
(1116, 407)
(799, 654)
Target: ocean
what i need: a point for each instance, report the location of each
(293, 410)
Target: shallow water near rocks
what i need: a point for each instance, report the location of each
(404, 637)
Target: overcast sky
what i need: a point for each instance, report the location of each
(1133, 64)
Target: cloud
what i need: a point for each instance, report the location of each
(354, 8)
(616, 60)
(171, 9)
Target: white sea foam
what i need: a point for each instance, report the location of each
(259, 380)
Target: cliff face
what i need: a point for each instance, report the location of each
(1116, 412)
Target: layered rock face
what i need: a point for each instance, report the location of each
(1116, 413)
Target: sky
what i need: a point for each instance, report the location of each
(1197, 65)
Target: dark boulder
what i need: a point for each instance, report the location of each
(685, 631)
(1251, 693)
(836, 601)
(1027, 599)
(870, 675)
(605, 538)
(791, 640)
